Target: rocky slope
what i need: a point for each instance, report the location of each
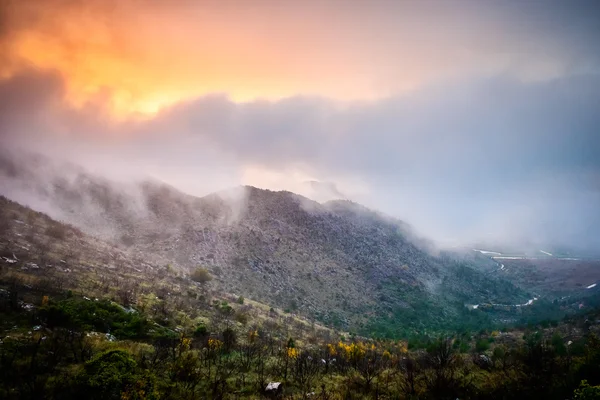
(336, 261)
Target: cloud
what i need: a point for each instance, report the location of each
(497, 158)
(145, 55)
(468, 120)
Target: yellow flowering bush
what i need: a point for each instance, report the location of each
(352, 351)
(185, 343)
(331, 349)
(214, 344)
(292, 352)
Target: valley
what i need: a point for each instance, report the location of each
(251, 284)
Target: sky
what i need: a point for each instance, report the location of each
(471, 120)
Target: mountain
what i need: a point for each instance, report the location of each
(74, 308)
(338, 262)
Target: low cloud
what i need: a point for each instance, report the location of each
(492, 158)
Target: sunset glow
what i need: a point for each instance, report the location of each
(141, 57)
(165, 56)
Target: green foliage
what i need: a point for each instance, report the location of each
(291, 343)
(226, 310)
(587, 392)
(558, 344)
(240, 300)
(107, 374)
(201, 331)
(100, 316)
(237, 363)
(482, 345)
(114, 374)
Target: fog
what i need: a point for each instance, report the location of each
(486, 160)
(473, 123)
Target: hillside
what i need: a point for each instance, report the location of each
(41, 257)
(338, 262)
(81, 318)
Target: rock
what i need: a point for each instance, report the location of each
(274, 389)
(483, 361)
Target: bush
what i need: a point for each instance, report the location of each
(229, 339)
(482, 345)
(201, 275)
(101, 316)
(114, 374)
(201, 331)
(108, 373)
(241, 317)
(587, 392)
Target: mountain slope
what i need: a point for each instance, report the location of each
(338, 261)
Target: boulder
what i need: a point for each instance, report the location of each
(274, 389)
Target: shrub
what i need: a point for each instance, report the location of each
(229, 339)
(587, 392)
(114, 374)
(241, 317)
(100, 316)
(57, 231)
(482, 345)
(201, 331)
(201, 275)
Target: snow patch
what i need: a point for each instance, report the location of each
(487, 252)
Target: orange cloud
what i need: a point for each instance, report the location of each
(141, 56)
(145, 59)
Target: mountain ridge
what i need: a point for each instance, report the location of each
(337, 261)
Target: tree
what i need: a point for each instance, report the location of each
(305, 368)
(201, 275)
(113, 375)
(229, 339)
(587, 392)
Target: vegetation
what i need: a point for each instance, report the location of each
(82, 319)
(92, 349)
(201, 275)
